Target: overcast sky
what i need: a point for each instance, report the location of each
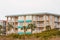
(9, 7)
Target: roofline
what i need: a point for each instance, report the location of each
(33, 14)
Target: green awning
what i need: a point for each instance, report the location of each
(28, 20)
(20, 26)
(21, 21)
(28, 32)
(20, 33)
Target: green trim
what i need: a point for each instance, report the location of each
(28, 20)
(21, 21)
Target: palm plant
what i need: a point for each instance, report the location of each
(31, 26)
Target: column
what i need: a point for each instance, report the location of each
(7, 26)
(53, 22)
(44, 22)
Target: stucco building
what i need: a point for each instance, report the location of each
(41, 20)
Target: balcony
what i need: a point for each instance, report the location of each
(21, 21)
(28, 20)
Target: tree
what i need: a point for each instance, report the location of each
(31, 26)
(0, 29)
(48, 27)
(0, 26)
(24, 27)
(9, 26)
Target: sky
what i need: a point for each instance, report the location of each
(12, 7)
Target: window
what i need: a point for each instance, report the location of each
(28, 17)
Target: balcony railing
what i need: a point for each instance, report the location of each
(12, 20)
(38, 19)
(40, 25)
